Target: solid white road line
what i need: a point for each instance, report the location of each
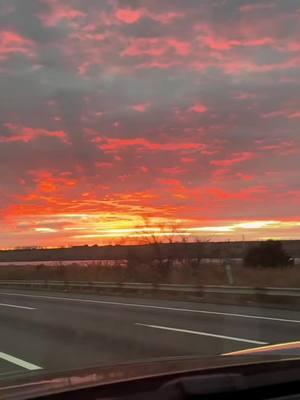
(187, 310)
(15, 306)
(236, 339)
(19, 362)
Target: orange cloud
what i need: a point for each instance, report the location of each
(254, 193)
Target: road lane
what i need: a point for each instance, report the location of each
(27, 297)
(272, 327)
(154, 307)
(96, 330)
(8, 369)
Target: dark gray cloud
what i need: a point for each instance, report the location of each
(24, 18)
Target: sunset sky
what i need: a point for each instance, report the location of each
(169, 114)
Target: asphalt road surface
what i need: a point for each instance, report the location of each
(42, 331)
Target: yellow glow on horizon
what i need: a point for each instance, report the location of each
(127, 228)
(256, 224)
(133, 235)
(68, 229)
(45, 230)
(211, 229)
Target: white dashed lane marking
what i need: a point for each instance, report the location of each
(19, 362)
(163, 308)
(15, 306)
(214, 335)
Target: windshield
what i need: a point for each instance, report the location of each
(149, 190)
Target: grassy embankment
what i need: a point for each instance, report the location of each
(202, 275)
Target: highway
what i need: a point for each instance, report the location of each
(44, 331)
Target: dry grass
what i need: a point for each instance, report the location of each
(275, 277)
(204, 275)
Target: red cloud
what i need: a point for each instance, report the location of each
(245, 177)
(219, 43)
(187, 160)
(277, 113)
(198, 108)
(144, 169)
(156, 65)
(293, 46)
(256, 7)
(282, 113)
(12, 42)
(294, 115)
(104, 165)
(173, 171)
(141, 143)
(167, 18)
(140, 107)
(235, 64)
(180, 47)
(252, 193)
(215, 43)
(152, 47)
(156, 47)
(237, 159)
(48, 183)
(245, 96)
(60, 12)
(128, 15)
(27, 134)
(282, 148)
(169, 182)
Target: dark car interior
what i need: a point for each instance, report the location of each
(269, 380)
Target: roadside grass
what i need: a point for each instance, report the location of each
(202, 275)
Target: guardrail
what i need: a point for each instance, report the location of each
(192, 290)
